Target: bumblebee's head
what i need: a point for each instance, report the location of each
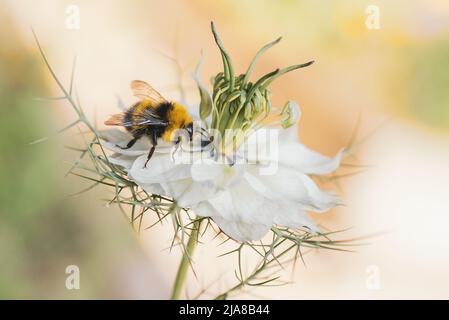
(205, 138)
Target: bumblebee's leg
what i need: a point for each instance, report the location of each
(130, 143)
(177, 143)
(150, 154)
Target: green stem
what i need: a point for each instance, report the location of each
(185, 261)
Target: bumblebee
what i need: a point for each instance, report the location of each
(152, 116)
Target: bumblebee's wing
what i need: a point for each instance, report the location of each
(147, 118)
(115, 119)
(144, 122)
(144, 91)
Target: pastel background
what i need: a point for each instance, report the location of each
(392, 83)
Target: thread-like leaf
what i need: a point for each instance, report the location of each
(256, 58)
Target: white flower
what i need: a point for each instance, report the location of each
(243, 201)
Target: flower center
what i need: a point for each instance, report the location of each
(238, 106)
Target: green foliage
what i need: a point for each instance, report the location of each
(26, 172)
(428, 84)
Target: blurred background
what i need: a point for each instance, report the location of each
(381, 67)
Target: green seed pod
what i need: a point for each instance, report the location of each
(242, 96)
(247, 111)
(267, 96)
(234, 95)
(259, 101)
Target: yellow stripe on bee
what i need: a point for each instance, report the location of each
(142, 106)
(178, 118)
(139, 110)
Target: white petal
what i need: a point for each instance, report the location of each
(250, 205)
(154, 188)
(286, 184)
(301, 158)
(206, 170)
(159, 169)
(258, 146)
(291, 134)
(291, 215)
(222, 175)
(241, 202)
(264, 146)
(291, 185)
(321, 201)
(205, 209)
(122, 160)
(195, 193)
(262, 213)
(241, 231)
(187, 192)
(176, 189)
(222, 202)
